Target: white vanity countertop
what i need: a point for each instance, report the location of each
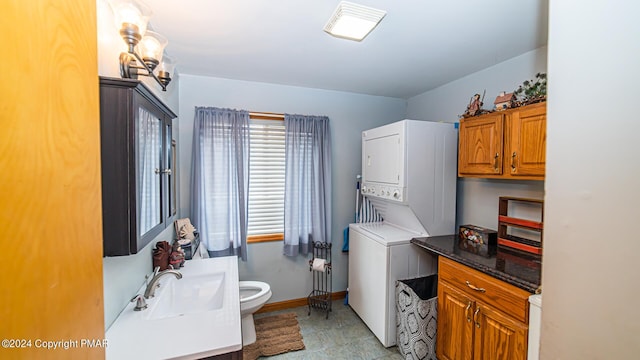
(189, 336)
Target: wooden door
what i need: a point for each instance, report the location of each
(528, 141)
(497, 336)
(50, 211)
(481, 144)
(455, 324)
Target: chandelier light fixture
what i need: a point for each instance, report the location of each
(145, 48)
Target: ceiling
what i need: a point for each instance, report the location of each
(418, 46)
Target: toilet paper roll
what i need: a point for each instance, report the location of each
(318, 264)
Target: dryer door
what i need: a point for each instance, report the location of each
(382, 159)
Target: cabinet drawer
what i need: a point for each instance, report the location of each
(504, 297)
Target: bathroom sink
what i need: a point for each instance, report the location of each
(195, 317)
(189, 295)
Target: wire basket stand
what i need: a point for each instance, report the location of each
(320, 296)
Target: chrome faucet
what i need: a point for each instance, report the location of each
(153, 283)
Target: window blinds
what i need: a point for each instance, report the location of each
(266, 178)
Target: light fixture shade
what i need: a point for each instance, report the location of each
(167, 65)
(131, 12)
(151, 47)
(353, 21)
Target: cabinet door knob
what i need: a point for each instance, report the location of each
(475, 287)
(513, 161)
(466, 312)
(495, 161)
(157, 171)
(475, 317)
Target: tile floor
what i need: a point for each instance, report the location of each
(342, 336)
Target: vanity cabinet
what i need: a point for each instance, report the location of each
(138, 160)
(479, 317)
(509, 144)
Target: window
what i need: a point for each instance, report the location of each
(266, 178)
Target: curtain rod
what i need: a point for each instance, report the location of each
(265, 115)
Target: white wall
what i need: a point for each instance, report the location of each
(590, 268)
(478, 198)
(349, 115)
(123, 275)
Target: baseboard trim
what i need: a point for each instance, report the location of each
(288, 304)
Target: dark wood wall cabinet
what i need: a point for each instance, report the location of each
(509, 144)
(138, 179)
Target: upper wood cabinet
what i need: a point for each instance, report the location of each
(138, 199)
(527, 141)
(504, 145)
(481, 144)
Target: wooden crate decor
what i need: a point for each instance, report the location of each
(477, 240)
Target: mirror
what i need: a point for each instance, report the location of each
(149, 171)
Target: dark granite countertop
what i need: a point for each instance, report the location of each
(514, 267)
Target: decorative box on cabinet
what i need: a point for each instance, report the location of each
(479, 317)
(510, 144)
(137, 165)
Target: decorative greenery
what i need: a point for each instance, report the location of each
(533, 90)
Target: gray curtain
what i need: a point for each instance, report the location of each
(220, 180)
(307, 195)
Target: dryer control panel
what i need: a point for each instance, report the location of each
(385, 192)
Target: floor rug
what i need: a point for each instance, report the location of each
(275, 335)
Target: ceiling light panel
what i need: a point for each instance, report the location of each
(352, 21)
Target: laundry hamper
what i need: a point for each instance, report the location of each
(416, 316)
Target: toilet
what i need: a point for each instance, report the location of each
(253, 294)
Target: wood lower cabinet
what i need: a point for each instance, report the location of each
(498, 336)
(510, 144)
(479, 317)
(455, 327)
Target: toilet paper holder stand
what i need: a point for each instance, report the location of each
(320, 268)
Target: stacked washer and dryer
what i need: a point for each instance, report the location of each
(409, 175)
